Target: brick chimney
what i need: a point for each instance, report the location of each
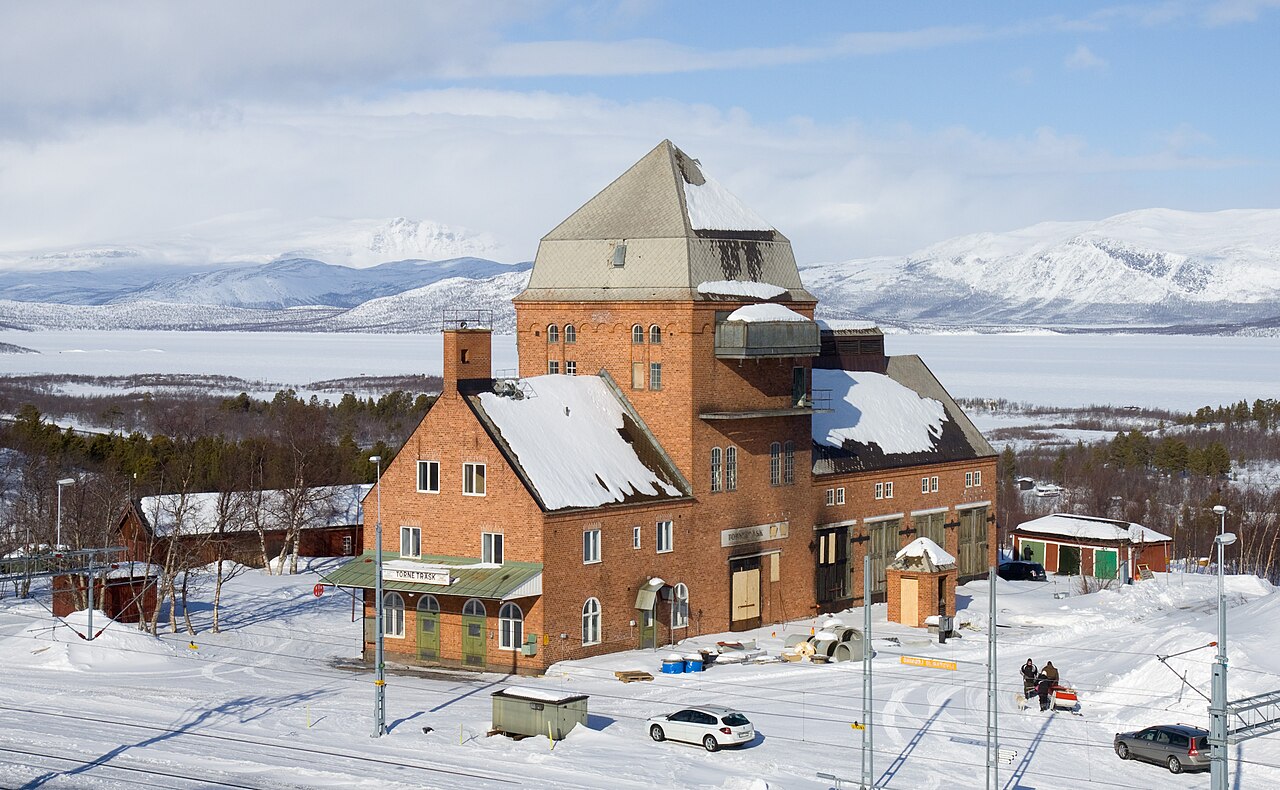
(468, 355)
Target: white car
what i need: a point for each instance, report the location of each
(712, 726)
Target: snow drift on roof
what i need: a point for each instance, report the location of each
(923, 547)
(765, 312)
(1092, 528)
(567, 441)
(712, 207)
(838, 324)
(871, 408)
(745, 288)
(197, 513)
(538, 694)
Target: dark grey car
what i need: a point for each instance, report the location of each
(1175, 746)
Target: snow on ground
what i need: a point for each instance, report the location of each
(273, 701)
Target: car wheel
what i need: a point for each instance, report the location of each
(1122, 751)
(656, 733)
(710, 743)
(1175, 766)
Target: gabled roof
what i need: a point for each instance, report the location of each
(680, 228)
(197, 513)
(1091, 528)
(903, 417)
(576, 442)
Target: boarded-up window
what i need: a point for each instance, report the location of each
(973, 541)
(884, 544)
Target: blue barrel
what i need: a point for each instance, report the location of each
(672, 665)
(693, 663)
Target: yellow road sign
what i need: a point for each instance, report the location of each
(931, 663)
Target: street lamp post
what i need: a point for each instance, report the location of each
(379, 679)
(1218, 703)
(63, 483)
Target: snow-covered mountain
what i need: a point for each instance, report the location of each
(1150, 268)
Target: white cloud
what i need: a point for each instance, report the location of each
(1082, 58)
(1229, 12)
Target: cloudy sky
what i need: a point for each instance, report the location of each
(857, 129)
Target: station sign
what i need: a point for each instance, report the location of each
(427, 575)
(754, 534)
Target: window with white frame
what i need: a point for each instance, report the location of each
(924, 485)
(888, 490)
(731, 468)
(637, 335)
(392, 614)
(636, 533)
(553, 334)
(789, 463)
(840, 495)
(510, 627)
(591, 622)
(680, 611)
(428, 477)
(977, 478)
(879, 490)
(831, 497)
(491, 547)
(655, 335)
(473, 479)
(570, 368)
(665, 535)
(553, 366)
(775, 464)
(655, 375)
(933, 484)
(410, 541)
(717, 481)
(570, 334)
(590, 546)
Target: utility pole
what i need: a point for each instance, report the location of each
(379, 678)
(993, 723)
(1218, 705)
(868, 735)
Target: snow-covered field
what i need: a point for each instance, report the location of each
(267, 704)
(1176, 372)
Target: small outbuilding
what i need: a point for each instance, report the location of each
(125, 591)
(524, 711)
(1091, 546)
(922, 583)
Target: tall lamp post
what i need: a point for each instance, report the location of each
(63, 483)
(379, 679)
(1218, 704)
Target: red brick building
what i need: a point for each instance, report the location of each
(686, 450)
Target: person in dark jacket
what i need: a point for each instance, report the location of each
(1050, 671)
(1044, 687)
(1029, 674)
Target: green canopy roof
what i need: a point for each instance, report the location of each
(469, 577)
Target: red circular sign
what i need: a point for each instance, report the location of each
(318, 590)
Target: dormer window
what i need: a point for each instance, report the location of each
(570, 334)
(637, 335)
(655, 335)
(553, 334)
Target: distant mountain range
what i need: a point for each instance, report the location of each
(1151, 270)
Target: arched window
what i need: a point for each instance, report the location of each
(591, 622)
(655, 334)
(570, 334)
(553, 334)
(775, 464)
(731, 468)
(680, 612)
(637, 335)
(510, 627)
(473, 607)
(392, 614)
(789, 463)
(716, 479)
(428, 603)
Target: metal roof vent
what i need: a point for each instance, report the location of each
(619, 255)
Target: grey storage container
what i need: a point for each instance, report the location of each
(534, 711)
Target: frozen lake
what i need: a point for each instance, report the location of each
(1179, 372)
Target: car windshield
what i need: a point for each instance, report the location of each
(735, 720)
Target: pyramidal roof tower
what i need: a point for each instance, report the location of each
(656, 233)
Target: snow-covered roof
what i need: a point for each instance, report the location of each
(554, 696)
(568, 441)
(133, 570)
(745, 288)
(754, 313)
(871, 408)
(197, 513)
(846, 325)
(1091, 528)
(924, 547)
(712, 207)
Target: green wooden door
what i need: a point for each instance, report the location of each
(648, 629)
(1032, 550)
(1105, 563)
(473, 634)
(428, 628)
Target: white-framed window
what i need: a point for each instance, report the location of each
(491, 547)
(789, 463)
(775, 464)
(933, 484)
(655, 335)
(840, 496)
(972, 479)
(428, 477)
(665, 536)
(590, 546)
(428, 604)
(553, 366)
(831, 497)
(680, 611)
(637, 375)
(392, 615)
(636, 533)
(977, 478)
(474, 607)
(348, 543)
(410, 541)
(879, 490)
(510, 627)
(591, 622)
(888, 490)
(637, 335)
(717, 480)
(570, 334)
(473, 479)
(553, 334)
(924, 485)
(570, 368)
(731, 468)
(655, 375)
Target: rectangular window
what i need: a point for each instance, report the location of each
(731, 468)
(716, 479)
(977, 478)
(924, 485)
(664, 536)
(553, 366)
(968, 480)
(831, 497)
(429, 477)
(933, 484)
(839, 496)
(410, 542)
(347, 544)
(655, 375)
(879, 490)
(789, 464)
(491, 547)
(635, 537)
(571, 368)
(473, 479)
(888, 490)
(775, 464)
(590, 546)
(637, 375)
